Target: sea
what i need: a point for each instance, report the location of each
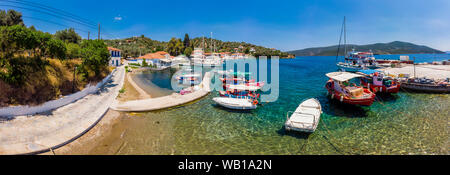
(403, 123)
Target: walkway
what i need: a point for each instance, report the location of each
(39, 133)
(166, 101)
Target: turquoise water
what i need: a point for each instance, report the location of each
(405, 123)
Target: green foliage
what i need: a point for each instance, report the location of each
(73, 50)
(95, 56)
(122, 90)
(188, 51)
(56, 49)
(134, 64)
(135, 46)
(14, 39)
(144, 63)
(18, 39)
(68, 35)
(186, 41)
(10, 18)
(175, 47)
(17, 68)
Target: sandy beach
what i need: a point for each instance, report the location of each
(111, 122)
(132, 90)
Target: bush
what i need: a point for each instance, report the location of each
(95, 58)
(73, 50)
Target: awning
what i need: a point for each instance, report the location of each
(342, 76)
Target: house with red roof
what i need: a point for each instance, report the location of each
(114, 56)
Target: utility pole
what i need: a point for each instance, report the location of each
(89, 33)
(98, 31)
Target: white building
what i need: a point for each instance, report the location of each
(115, 56)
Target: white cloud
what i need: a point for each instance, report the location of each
(118, 18)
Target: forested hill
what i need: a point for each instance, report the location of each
(396, 47)
(141, 45)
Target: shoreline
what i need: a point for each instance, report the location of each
(166, 101)
(132, 90)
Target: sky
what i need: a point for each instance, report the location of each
(285, 25)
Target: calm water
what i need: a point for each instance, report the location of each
(405, 123)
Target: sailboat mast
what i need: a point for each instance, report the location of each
(345, 38)
(340, 40)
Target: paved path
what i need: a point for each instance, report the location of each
(39, 133)
(166, 101)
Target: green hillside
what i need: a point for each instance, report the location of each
(136, 46)
(396, 47)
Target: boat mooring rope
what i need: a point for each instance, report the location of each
(332, 138)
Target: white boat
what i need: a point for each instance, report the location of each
(236, 103)
(305, 118)
(355, 61)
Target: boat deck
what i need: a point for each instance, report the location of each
(166, 101)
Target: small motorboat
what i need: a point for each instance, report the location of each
(341, 89)
(376, 81)
(189, 90)
(236, 103)
(305, 118)
(426, 85)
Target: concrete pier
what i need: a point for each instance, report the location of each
(429, 71)
(166, 101)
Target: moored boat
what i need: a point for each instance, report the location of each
(305, 118)
(236, 103)
(354, 61)
(340, 89)
(426, 85)
(377, 82)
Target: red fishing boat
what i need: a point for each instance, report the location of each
(377, 82)
(342, 90)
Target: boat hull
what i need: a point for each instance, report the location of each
(310, 109)
(335, 95)
(349, 68)
(425, 88)
(238, 104)
(382, 89)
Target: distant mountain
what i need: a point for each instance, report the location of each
(448, 52)
(396, 47)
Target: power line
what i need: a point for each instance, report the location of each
(50, 10)
(44, 20)
(39, 11)
(54, 10)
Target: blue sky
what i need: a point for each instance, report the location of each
(285, 25)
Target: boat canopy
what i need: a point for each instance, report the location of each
(368, 71)
(342, 76)
(243, 88)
